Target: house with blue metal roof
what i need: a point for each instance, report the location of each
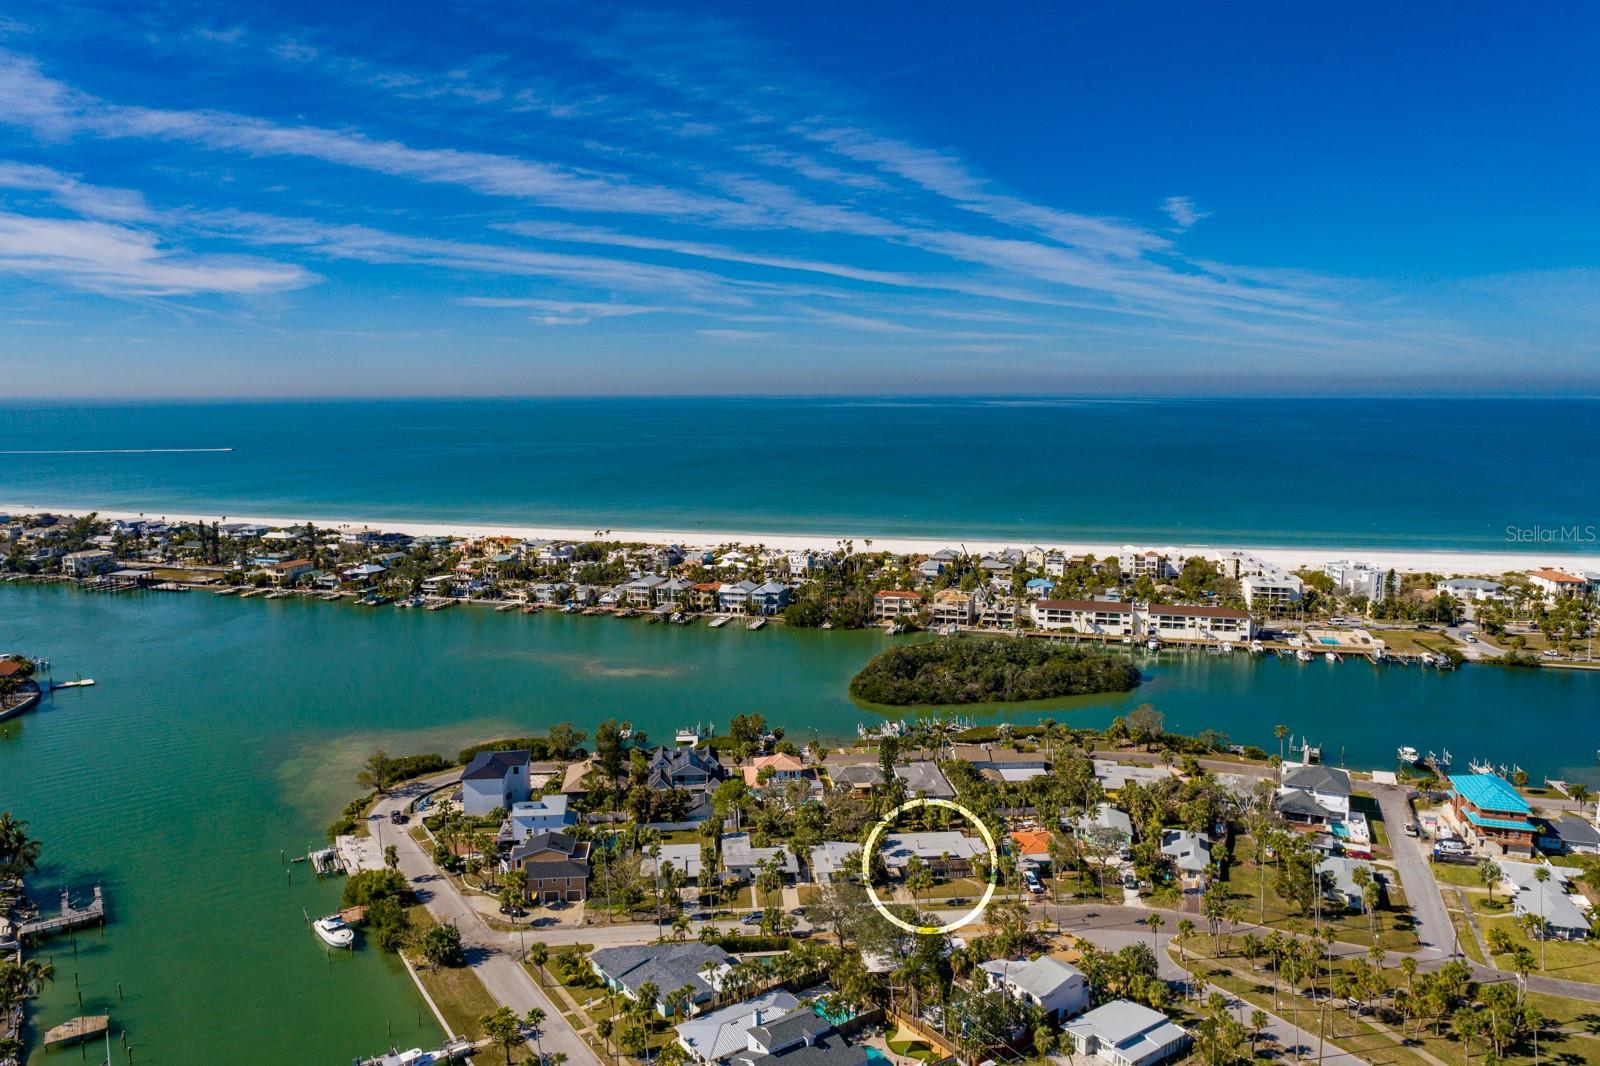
(1491, 812)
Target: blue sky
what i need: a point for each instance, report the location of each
(230, 199)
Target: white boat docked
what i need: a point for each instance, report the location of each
(334, 931)
(1328, 655)
(1407, 754)
(1257, 648)
(1302, 655)
(1153, 644)
(1227, 647)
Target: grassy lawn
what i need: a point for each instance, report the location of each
(458, 993)
(1393, 921)
(1450, 873)
(970, 887)
(1572, 1037)
(1571, 960)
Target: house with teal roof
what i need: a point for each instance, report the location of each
(1493, 814)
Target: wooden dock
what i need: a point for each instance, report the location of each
(70, 917)
(77, 1030)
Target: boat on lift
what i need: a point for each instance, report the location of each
(334, 931)
(1408, 755)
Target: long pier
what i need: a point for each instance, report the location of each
(70, 917)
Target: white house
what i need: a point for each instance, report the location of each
(1177, 621)
(1190, 852)
(495, 780)
(1358, 579)
(89, 561)
(1275, 588)
(1084, 616)
(1555, 584)
(1056, 987)
(719, 1034)
(743, 860)
(1125, 1033)
(1314, 793)
(1470, 589)
(543, 815)
(1566, 917)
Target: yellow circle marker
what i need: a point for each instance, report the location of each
(872, 842)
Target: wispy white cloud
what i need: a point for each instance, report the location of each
(1183, 212)
(92, 201)
(109, 258)
(562, 312)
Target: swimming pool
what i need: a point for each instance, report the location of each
(874, 1055)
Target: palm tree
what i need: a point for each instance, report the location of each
(1155, 922)
(1541, 874)
(539, 954)
(503, 1030)
(534, 1020)
(19, 853)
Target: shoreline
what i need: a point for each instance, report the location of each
(1446, 562)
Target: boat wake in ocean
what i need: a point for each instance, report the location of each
(114, 451)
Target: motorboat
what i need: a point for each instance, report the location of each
(1302, 655)
(1328, 655)
(1153, 644)
(334, 931)
(1227, 647)
(1408, 755)
(1257, 648)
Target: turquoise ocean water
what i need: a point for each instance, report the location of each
(1382, 473)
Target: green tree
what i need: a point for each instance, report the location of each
(441, 946)
(377, 772)
(503, 1029)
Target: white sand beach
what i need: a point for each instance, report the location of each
(1448, 563)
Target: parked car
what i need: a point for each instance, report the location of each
(753, 918)
(1411, 830)
(399, 817)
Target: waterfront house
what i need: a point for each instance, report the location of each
(556, 554)
(1189, 853)
(666, 966)
(557, 865)
(1002, 764)
(888, 604)
(1055, 564)
(1339, 880)
(1554, 584)
(716, 1035)
(1314, 794)
(88, 562)
(641, 591)
(289, 571)
(438, 585)
(543, 815)
(1108, 826)
(703, 596)
(695, 769)
(1565, 917)
(734, 597)
(1056, 987)
(945, 853)
(674, 591)
(952, 607)
(1038, 587)
(1572, 835)
(615, 596)
(494, 780)
(769, 598)
(742, 860)
(1098, 617)
(1182, 622)
(1156, 565)
(834, 860)
(1489, 811)
(1124, 1033)
(773, 768)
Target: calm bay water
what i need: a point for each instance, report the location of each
(222, 730)
(1381, 473)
